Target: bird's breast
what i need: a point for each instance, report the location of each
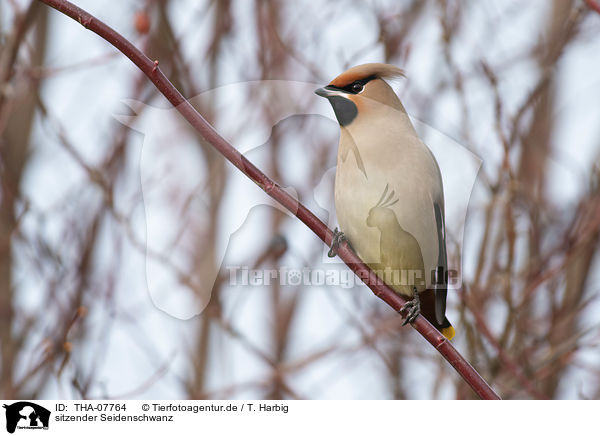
(397, 171)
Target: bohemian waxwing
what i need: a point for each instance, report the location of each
(389, 197)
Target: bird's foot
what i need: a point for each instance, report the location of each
(338, 237)
(412, 308)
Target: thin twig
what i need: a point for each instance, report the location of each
(379, 288)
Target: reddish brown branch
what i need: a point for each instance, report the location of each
(593, 5)
(151, 69)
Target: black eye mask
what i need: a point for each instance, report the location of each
(357, 86)
(345, 110)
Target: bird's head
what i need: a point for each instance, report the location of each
(353, 92)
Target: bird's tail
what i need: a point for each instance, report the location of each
(448, 332)
(445, 328)
(428, 310)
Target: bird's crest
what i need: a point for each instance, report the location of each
(364, 71)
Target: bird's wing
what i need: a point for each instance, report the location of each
(440, 285)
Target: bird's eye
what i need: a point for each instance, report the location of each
(357, 87)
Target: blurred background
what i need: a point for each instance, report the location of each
(127, 245)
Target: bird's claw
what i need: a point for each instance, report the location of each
(412, 308)
(338, 237)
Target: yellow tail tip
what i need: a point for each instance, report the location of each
(448, 332)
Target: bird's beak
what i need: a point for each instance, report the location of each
(327, 91)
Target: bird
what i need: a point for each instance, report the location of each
(389, 196)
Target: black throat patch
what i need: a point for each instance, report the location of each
(345, 110)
